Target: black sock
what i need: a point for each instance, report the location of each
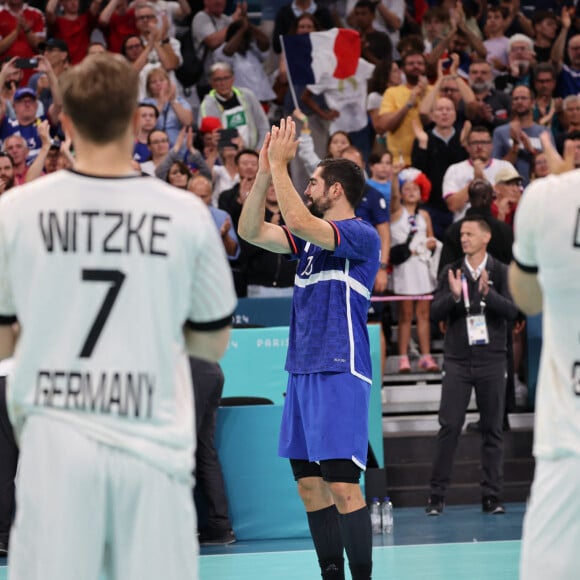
(357, 536)
(327, 539)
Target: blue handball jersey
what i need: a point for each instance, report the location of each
(328, 325)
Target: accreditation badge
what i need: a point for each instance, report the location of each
(477, 330)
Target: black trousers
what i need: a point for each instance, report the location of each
(208, 384)
(8, 462)
(489, 381)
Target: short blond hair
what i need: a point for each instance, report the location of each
(154, 72)
(100, 96)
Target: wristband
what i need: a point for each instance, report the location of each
(383, 266)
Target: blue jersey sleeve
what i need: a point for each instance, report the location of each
(356, 240)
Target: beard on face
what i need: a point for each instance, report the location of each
(482, 87)
(412, 79)
(521, 109)
(8, 182)
(320, 206)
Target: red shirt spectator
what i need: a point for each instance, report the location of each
(121, 26)
(507, 217)
(21, 29)
(72, 27)
(119, 21)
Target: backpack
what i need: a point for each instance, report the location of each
(192, 68)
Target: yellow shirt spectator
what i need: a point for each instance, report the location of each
(400, 105)
(400, 141)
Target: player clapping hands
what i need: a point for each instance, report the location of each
(283, 144)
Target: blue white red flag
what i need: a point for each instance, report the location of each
(313, 58)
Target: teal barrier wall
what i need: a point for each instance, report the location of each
(254, 363)
(263, 500)
(263, 312)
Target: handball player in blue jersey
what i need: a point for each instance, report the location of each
(324, 429)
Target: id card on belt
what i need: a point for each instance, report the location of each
(477, 330)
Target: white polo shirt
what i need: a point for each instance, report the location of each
(461, 174)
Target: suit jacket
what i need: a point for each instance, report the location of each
(499, 310)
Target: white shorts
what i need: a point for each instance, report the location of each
(551, 534)
(88, 511)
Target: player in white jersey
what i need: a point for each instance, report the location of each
(545, 277)
(113, 278)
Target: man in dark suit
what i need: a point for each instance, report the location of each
(8, 462)
(481, 194)
(208, 384)
(473, 300)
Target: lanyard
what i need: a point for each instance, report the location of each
(165, 113)
(465, 292)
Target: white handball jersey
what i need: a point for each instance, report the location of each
(547, 241)
(102, 274)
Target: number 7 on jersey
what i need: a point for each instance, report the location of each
(116, 279)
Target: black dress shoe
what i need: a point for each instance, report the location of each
(490, 504)
(435, 505)
(212, 537)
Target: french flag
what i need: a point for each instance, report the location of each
(314, 57)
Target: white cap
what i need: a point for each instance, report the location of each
(508, 173)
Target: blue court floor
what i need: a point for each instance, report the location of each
(463, 543)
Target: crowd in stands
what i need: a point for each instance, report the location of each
(447, 92)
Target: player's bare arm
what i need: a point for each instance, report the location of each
(281, 150)
(8, 337)
(252, 226)
(209, 345)
(525, 290)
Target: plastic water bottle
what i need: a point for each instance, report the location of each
(376, 515)
(387, 516)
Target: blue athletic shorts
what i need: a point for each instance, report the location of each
(325, 417)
